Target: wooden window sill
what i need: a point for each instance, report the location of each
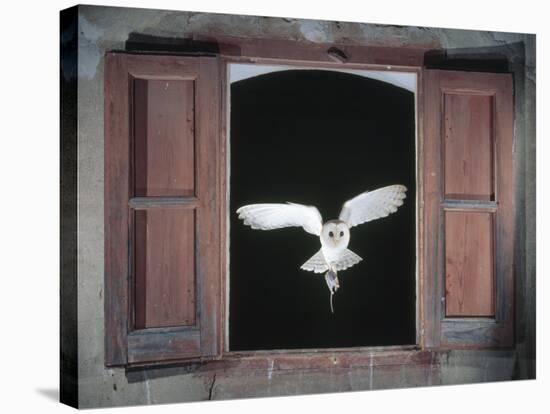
(310, 359)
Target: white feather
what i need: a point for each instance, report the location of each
(372, 205)
(316, 263)
(346, 260)
(276, 216)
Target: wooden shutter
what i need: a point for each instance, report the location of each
(469, 209)
(162, 208)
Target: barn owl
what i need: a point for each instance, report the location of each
(334, 234)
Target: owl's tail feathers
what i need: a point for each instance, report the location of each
(346, 260)
(316, 263)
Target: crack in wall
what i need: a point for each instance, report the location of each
(211, 388)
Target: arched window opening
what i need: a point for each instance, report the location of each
(320, 137)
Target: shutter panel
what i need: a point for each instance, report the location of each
(469, 209)
(162, 208)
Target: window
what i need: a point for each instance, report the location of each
(167, 210)
(320, 137)
(162, 208)
(468, 179)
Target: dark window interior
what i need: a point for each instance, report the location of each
(320, 137)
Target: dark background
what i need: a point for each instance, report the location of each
(320, 138)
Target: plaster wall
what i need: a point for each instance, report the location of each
(101, 29)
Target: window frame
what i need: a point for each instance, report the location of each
(320, 56)
(226, 110)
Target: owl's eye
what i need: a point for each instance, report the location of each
(341, 234)
(330, 234)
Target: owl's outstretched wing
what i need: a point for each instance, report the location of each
(372, 205)
(276, 216)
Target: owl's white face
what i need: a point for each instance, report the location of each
(335, 234)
